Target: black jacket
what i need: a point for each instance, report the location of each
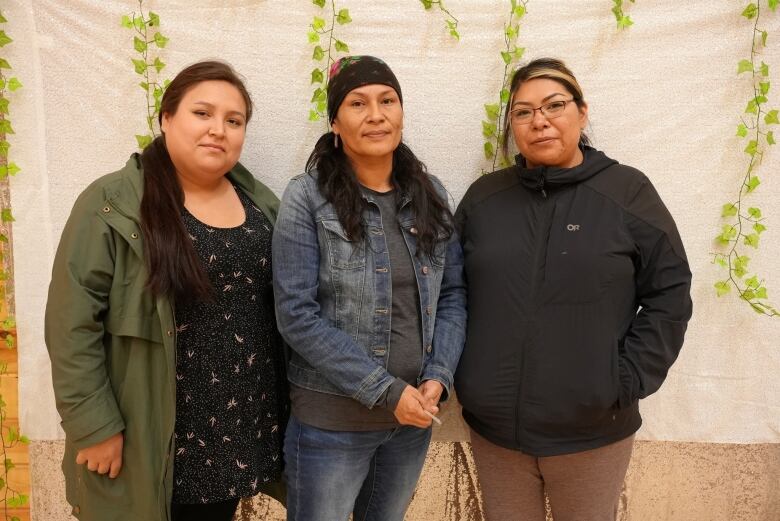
(579, 297)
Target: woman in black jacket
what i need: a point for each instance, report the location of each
(578, 303)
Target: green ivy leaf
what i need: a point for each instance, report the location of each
(489, 150)
(322, 106)
(748, 295)
(5, 127)
(625, 22)
(343, 17)
(492, 111)
(764, 87)
(752, 147)
(318, 23)
(759, 228)
(4, 39)
(455, 34)
(313, 116)
(154, 19)
(10, 343)
(144, 85)
(764, 70)
(728, 233)
(4, 146)
(750, 11)
(752, 183)
(318, 53)
(138, 23)
(158, 64)
(744, 66)
(740, 266)
(2, 21)
(341, 46)
(721, 261)
(506, 57)
(317, 76)
(742, 130)
(427, 4)
(519, 11)
(518, 52)
(752, 107)
(754, 212)
(4, 64)
(4, 105)
(752, 282)
(761, 293)
(139, 44)
(13, 169)
(140, 66)
(6, 216)
(722, 287)
(771, 118)
(14, 84)
(504, 95)
(770, 138)
(127, 22)
(318, 3)
(488, 129)
(773, 4)
(751, 240)
(764, 35)
(160, 40)
(143, 140)
(729, 210)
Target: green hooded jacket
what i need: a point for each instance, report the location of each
(113, 350)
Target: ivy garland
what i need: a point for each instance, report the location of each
(623, 20)
(143, 42)
(9, 435)
(744, 226)
(320, 29)
(492, 127)
(450, 21)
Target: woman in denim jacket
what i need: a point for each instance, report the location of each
(370, 293)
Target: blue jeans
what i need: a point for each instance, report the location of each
(331, 474)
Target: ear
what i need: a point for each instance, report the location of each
(164, 122)
(583, 115)
(335, 126)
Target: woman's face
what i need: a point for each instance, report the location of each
(205, 135)
(543, 141)
(369, 122)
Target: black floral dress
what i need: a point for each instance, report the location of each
(228, 404)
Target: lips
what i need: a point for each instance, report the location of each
(376, 134)
(213, 146)
(542, 140)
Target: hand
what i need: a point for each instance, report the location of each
(431, 391)
(409, 410)
(104, 457)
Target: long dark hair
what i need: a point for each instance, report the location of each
(549, 68)
(339, 185)
(174, 268)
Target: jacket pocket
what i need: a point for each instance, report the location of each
(146, 327)
(342, 252)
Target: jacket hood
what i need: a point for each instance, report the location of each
(544, 178)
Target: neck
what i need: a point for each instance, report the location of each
(200, 185)
(374, 173)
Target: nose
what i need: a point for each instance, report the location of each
(539, 119)
(217, 128)
(375, 112)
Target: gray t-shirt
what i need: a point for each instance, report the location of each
(328, 411)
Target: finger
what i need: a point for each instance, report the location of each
(116, 466)
(92, 465)
(80, 458)
(103, 467)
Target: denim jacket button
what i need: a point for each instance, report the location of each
(428, 310)
(413, 230)
(425, 270)
(429, 348)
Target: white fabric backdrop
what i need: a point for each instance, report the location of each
(664, 97)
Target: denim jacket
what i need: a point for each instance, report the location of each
(333, 296)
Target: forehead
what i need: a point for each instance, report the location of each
(535, 90)
(218, 93)
(372, 89)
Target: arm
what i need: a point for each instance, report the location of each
(78, 301)
(663, 282)
(296, 264)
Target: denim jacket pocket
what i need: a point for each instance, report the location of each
(343, 253)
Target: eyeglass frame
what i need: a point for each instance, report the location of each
(540, 108)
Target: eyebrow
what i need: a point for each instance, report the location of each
(211, 106)
(358, 92)
(543, 100)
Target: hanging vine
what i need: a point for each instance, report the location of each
(321, 31)
(623, 20)
(9, 434)
(450, 21)
(143, 43)
(744, 223)
(492, 126)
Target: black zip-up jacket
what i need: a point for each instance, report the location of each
(578, 301)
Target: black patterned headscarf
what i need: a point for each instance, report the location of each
(351, 72)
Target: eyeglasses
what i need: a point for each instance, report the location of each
(525, 115)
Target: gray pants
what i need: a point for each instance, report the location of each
(584, 486)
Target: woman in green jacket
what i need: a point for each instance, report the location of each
(166, 363)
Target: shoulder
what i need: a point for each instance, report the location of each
(122, 184)
(487, 186)
(259, 192)
(620, 183)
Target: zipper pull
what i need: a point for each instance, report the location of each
(544, 193)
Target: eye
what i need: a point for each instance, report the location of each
(235, 122)
(555, 106)
(200, 113)
(356, 103)
(522, 113)
(388, 101)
